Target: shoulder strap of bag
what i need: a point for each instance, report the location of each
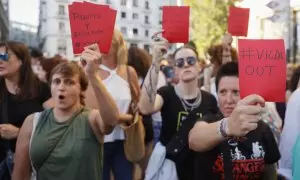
(34, 124)
(227, 161)
(134, 95)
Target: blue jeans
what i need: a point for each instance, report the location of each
(6, 166)
(115, 161)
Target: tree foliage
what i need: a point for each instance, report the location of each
(208, 21)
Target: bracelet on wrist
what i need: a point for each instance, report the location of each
(222, 128)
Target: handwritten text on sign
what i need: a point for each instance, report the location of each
(91, 23)
(88, 31)
(262, 68)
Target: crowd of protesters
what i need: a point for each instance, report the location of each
(130, 115)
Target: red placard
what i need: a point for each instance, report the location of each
(262, 68)
(91, 23)
(238, 21)
(175, 23)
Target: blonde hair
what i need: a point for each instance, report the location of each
(119, 44)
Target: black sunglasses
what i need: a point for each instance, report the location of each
(191, 60)
(3, 56)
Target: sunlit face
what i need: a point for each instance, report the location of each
(186, 65)
(10, 67)
(65, 91)
(228, 94)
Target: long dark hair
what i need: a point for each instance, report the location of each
(140, 60)
(29, 85)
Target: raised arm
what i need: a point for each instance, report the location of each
(108, 109)
(150, 102)
(22, 167)
(205, 136)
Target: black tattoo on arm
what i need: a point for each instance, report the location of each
(151, 86)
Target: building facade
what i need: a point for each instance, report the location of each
(136, 19)
(4, 20)
(25, 33)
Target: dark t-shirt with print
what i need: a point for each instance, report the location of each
(173, 114)
(249, 155)
(18, 110)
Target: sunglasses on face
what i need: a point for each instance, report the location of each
(191, 60)
(3, 56)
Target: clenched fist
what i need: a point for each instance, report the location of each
(245, 116)
(159, 47)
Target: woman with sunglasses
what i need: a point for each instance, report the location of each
(21, 93)
(180, 105)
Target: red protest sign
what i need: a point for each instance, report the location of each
(238, 20)
(262, 69)
(91, 23)
(175, 23)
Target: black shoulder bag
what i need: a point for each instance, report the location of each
(177, 149)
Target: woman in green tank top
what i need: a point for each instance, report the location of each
(66, 143)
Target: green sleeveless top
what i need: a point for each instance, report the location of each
(66, 151)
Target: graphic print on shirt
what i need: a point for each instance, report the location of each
(182, 116)
(246, 165)
(258, 151)
(237, 155)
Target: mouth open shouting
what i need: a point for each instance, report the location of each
(61, 97)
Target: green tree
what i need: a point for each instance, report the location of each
(208, 21)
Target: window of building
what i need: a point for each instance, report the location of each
(147, 47)
(146, 19)
(135, 16)
(61, 42)
(147, 5)
(135, 3)
(61, 9)
(124, 30)
(61, 26)
(62, 50)
(133, 45)
(123, 2)
(147, 33)
(108, 1)
(123, 14)
(135, 31)
(160, 22)
(160, 8)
